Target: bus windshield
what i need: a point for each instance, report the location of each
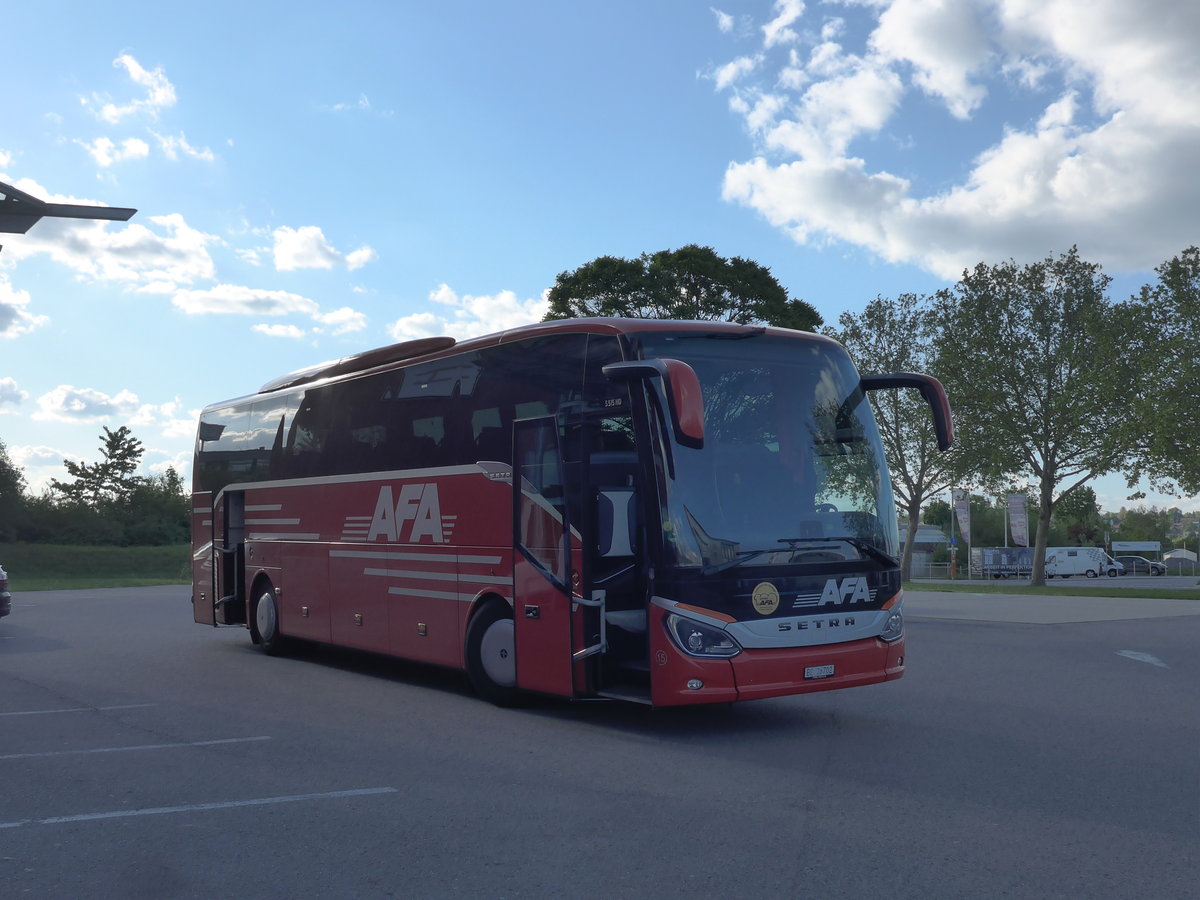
(792, 469)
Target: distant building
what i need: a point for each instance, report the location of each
(928, 540)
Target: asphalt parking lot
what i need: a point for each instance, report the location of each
(1037, 747)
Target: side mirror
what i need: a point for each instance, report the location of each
(933, 392)
(684, 397)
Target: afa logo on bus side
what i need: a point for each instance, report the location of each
(417, 504)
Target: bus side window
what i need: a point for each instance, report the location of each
(302, 456)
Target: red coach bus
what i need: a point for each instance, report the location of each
(656, 511)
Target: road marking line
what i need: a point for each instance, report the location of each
(198, 807)
(1143, 657)
(75, 709)
(50, 753)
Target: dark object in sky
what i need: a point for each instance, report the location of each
(19, 211)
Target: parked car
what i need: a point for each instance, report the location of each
(5, 596)
(1139, 565)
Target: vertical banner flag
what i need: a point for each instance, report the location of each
(1017, 520)
(962, 509)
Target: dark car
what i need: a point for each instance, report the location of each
(1139, 565)
(5, 596)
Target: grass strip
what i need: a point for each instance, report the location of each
(1064, 588)
(66, 567)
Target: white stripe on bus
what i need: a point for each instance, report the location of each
(400, 555)
(435, 595)
(401, 573)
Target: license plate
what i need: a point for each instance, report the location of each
(818, 672)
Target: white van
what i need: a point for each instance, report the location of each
(1063, 562)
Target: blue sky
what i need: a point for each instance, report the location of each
(318, 182)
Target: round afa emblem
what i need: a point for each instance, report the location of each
(765, 598)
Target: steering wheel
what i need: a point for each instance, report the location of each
(826, 508)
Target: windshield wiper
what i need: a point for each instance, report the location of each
(744, 557)
(857, 543)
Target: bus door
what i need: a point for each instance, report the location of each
(612, 573)
(549, 614)
(229, 548)
(203, 599)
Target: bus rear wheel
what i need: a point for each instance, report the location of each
(491, 654)
(265, 627)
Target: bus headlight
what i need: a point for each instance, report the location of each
(893, 629)
(696, 639)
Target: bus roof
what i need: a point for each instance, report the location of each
(433, 347)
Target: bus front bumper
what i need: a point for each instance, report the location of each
(678, 679)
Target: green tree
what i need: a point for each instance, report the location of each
(1032, 356)
(897, 336)
(1142, 524)
(12, 496)
(1166, 402)
(159, 511)
(110, 481)
(1078, 514)
(692, 282)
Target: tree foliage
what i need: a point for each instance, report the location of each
(103, 503)
(109, 481)
(12, 496)
(897, 336)
(1166, 401)
(1032, 356)
(1078, 515)
(692, 282)
(1143, 524)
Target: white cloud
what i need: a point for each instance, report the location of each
(15, 318)
(307, 248)
(151, 414)
(470, 315)
(724, 20)
(181, 427)
(6, 157)
(945, 43)
(11, 394)
(67, 403)
(281, 331)
(1099, 167)
(779, 30)
(233, 299)
(180, 461)
(39, 464)
(343, 321)
(160, 93)
(172, 147)
(356, 259)
(26, 456)
(105, 152)
(732, 72)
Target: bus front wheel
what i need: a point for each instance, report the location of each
(266, 622)
(491, 654)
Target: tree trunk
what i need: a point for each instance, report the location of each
(914, 511)
(1043, 533)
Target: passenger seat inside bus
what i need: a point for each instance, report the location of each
(615, 571)
(493, 443)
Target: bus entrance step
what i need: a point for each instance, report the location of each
(631, 693)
